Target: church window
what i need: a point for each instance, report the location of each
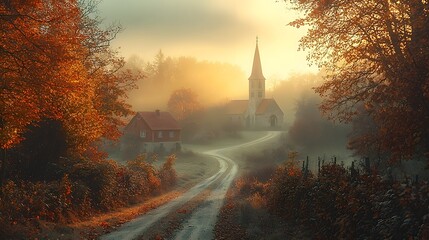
(260, 84)
(251, 94)
(259, 94)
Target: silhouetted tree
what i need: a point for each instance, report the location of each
(183, 102)
(375, 52)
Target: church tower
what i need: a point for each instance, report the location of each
(256, 88)
(257, 112)
(256, 79)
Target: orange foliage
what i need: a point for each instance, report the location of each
(55, 64)
(89, 187)
(183, 102)
(376, 55)
(291, 165)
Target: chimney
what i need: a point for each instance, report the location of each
(157, 112)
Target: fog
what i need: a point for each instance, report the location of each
(308, 131)
(214, 82)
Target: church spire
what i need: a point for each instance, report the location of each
(256, 68)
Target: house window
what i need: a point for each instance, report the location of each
(160, 134)
(171, 134)
(142, 133)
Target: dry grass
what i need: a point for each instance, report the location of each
(104, 223)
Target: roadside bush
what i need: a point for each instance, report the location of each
(87, 188)
(100, 177)
(167, 174)
(288, 191)
(144, 175)
(26, 200)
(335, 205)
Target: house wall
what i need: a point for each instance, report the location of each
(260, 121)
(135, 126)
(165, 136)
(165, 147)
(168, 141)
(264, 120)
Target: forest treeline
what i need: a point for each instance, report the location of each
(213, 82)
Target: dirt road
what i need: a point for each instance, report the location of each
(200, 223)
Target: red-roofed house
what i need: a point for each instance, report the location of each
(153, 132)
(258, 111)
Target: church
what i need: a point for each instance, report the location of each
(257, 111)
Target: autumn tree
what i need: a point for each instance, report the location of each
(364, 140)
(183, 102)
(376, 53)
(56, 65)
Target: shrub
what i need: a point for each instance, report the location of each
(168, 174)
(86, 188)
(335, 205)
(144, 175)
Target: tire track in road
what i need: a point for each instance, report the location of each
(201, 223)
(137, 226)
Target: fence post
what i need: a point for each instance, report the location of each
(306, 169)
(318, 166)
(367, 165)
(353, 171)
(306, 164)
(303, 166)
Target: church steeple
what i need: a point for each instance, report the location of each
(256, 68)
(256, 79)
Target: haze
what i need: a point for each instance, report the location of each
(219, 31)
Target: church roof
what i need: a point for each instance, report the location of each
(237, 107)
(256, 68)
(265, 105)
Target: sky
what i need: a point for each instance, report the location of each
(213, 30)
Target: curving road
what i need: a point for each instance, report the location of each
(202, 221)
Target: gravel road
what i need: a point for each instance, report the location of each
(201, 222)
